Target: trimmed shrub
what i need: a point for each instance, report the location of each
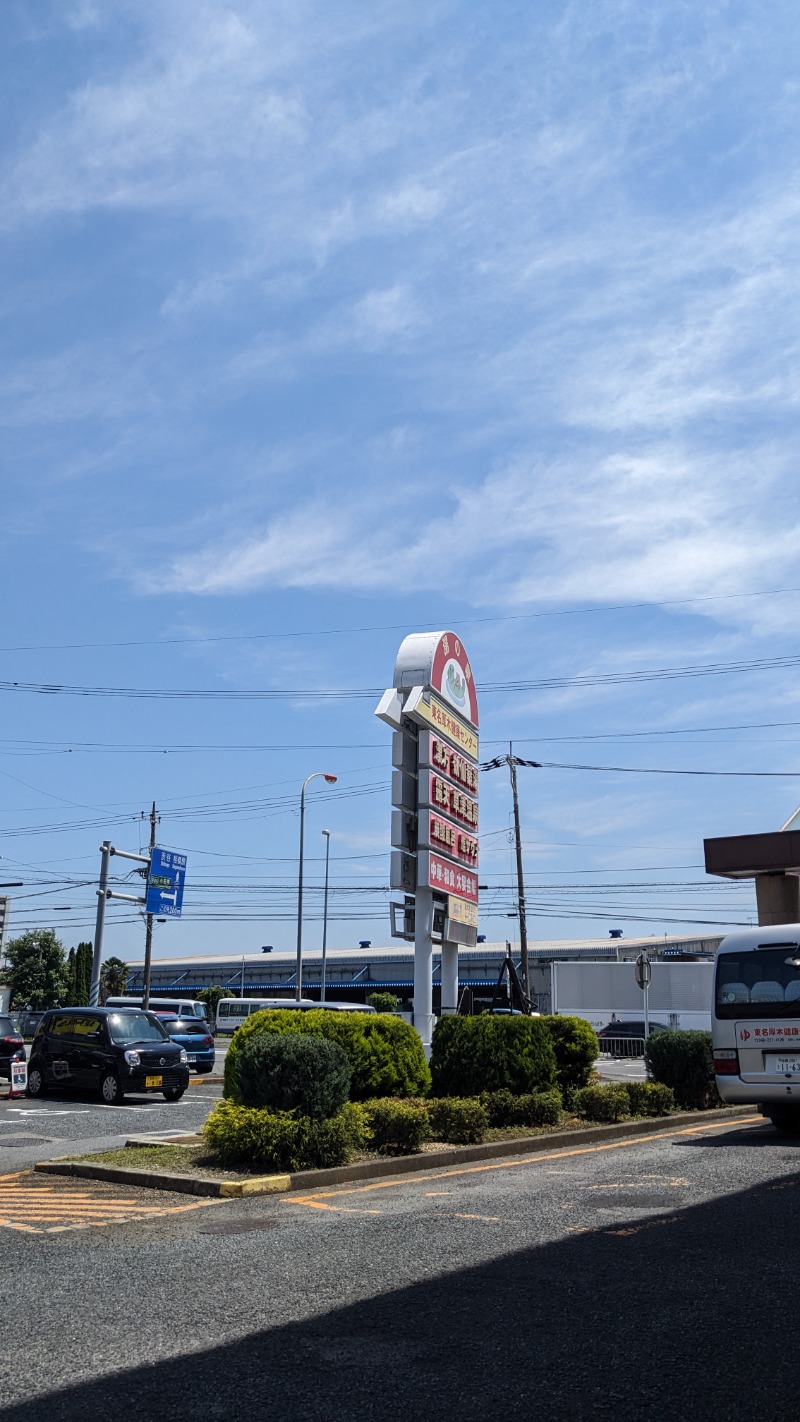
(398, 1127)
(576, 1049)
(383, 1001)
(603, 1103)
(491, 1053)
(356, 1121)
(684, 1061)
(276, 1140)
(650, 1098)
(538, 1108)
(459, 1120)
(304, 1074)
(384, 1052)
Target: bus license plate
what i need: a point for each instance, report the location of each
(154, 1081)
(787, 1064)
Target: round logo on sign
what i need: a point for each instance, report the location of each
(454, 685)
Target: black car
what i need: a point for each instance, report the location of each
(628, 1028)
(12, 1047)
(110, 1050)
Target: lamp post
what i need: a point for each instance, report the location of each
(329, 780)
(327, 835)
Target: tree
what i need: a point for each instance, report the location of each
(113, 977)
(70, 1000)
(83, 973)
(37, 970)
(211, 996)
(383, 1001)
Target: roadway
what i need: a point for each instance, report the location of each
(633, 1278)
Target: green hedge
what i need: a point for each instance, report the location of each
(603, 1103)
(385, 1053)
(491, 1053)
(308, 1075)
(684, 1061)
(576, 1049)
(279, 1140)
(458, 1120)
(537, 1108)
(398, 1127)
(650, 1098)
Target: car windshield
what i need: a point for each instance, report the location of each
(7, 1028)
(191, 1025)
(124, 1027)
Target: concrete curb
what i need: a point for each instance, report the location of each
(392, 1165)
(206, 1079)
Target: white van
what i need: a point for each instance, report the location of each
(182, 1006)
(233, 1011)
(756, 1021)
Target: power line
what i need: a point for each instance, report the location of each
(401, 626)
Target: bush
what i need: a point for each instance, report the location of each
(650, 1098)
(538, 1108)
(459, 1120)
(603, 1103)
(307, 1075)
(384, 1052)
(277, 1140)
(684, 1061)
(398, 1127)
(576, 1049)
(488, 1053)
(383, 1001)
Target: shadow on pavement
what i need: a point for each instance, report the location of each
(688, 1315)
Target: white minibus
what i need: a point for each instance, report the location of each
(232, 1011)
(756, 1021)
(182, 1006)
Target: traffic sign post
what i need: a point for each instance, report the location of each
(644, 974)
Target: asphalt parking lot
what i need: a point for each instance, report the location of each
(587, 1282)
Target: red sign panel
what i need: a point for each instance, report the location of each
(452, 840)
(449, 800)
(448, 878)
(451, 677)
(448, 761)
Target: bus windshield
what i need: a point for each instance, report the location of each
(760, 983)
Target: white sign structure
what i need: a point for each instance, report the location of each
(432, 709)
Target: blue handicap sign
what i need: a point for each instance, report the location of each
(165, 883)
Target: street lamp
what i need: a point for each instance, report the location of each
(329, 780)
(327, 835)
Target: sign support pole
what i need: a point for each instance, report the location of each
(102, 895)
(148, 933)
(423, 967)
(449, 977)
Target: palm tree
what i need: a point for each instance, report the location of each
(113, 977)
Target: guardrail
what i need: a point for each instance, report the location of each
(621, 1046)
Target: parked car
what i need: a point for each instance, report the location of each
(194, 1035)
(106, 1050)
(12, 1047)
(628, 1028)
(26, 1022)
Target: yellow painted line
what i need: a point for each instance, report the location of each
(485, 1219)
(512, 1162)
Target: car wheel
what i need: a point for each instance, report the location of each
(174, 1094)
(111, 1092)
(35, 1081)
(785, 1119)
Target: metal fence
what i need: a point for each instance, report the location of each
(621, 1046)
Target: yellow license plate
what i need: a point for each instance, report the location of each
(154, 1081)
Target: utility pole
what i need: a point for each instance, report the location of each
(512, 761)
(148, 918)
(523, 922)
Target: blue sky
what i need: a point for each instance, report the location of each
(323, 324)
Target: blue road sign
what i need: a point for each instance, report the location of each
(165, 883)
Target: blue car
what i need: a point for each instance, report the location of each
(194, 1035)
